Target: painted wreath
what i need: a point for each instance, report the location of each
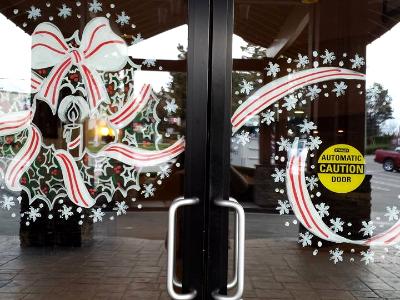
(80, 78)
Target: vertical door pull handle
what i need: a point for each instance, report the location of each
(239, 247)
(171, 280)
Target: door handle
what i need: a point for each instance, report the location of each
(239, 250)
(171, 281)
(233, 283)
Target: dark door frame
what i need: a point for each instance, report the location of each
(207, 155)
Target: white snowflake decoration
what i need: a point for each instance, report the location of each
(368, 228)
(290, 102)
(307, 126)
(305, 239)
(323, 209)
(164, 172)
(148, 190)
(64, 11)
(97, 215)
(340, 88)
(273, 69)
(7, 202)
(95, 6)
(34, 13)
(328, 57)
(171, 106)
(283, 207)
(373, 92)
(137, 39)
(314, 142)
(284, 144)
(367, 256)
(337, 224)
(65, 212)
(33, 213)
(357, 62)
(313, 92)
(246, 87)
(336, 255)
(150, 62)
(243, 138)
(302, 61)
(121, 208)
(311, 182)
(268, 117)
(392, 213)
(279, 175)
(123, 19)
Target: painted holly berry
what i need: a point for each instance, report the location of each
(9, 139)
(118, 169)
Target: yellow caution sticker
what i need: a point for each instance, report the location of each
(341, 168)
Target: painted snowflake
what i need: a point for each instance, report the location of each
(95, 6)
(64, 11)
(283, 207)
(34, 13)
(273, 69)
(123, 19)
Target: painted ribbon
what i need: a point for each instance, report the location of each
(74, 184)
(306, 213)
(141, 157)
(100, 50)
(130, 110)
(277, 89)
(14, 122)
(23, 160)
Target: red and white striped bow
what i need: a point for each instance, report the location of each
(100, 50)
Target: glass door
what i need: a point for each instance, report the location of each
(103, 109)
(314, 147)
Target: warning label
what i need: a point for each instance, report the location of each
(341, 168)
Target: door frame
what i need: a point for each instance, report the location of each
(207, 155)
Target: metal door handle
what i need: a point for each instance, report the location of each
(233, 283)
(239, 247)
(177, 203)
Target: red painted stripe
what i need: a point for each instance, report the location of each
(69, 179)
(60, 74)
(277, 96)
(73, 144)
(67, 61)
(123, 111)
(295, 194)
(18, 125)
(279, 86)
(47, 46)
(69, 164)
(393, 238)
(94, 82)
(76, 56)
(135, 109)
(35, 140)
(79, 55)
(35, 81)
(89, 81)
(54, 36)
(102, 45)
(24, 118)
(305, 205)
(140, 156)
(92, 37)
(143, 159)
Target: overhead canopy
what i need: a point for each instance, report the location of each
(275, 25)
